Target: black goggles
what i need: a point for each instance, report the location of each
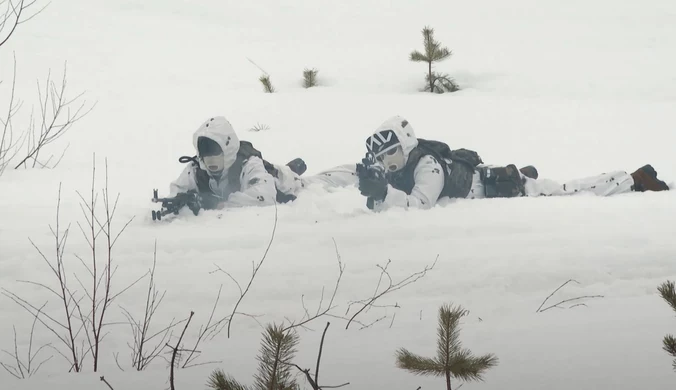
(390, 152)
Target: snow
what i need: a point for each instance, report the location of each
(575, 88)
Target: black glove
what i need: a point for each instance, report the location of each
(209, 201)
(297, 165)
(373, 184)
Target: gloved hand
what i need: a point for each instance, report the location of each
(297, 165)
(373, 184)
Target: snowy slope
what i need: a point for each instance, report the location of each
(575, 88)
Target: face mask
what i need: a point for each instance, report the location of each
(215, 164)
(393, 159)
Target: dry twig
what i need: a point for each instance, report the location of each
(82, 328)
(314, 382)
(99, 301)
(67, 325)
(21, 369)
(106, 382)
(558, 305)
(15, 13)
(143, 353)
(391, 287)
(175, 352)
(205, 331)
(307, 318)
(9, 146)
(52, 125)
(216, 327)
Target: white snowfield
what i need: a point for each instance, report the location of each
(575, 88)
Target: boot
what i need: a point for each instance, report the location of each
(297, 165)
(529, 171)
(645, 179)
(502, 182)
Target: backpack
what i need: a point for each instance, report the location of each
(458, 173)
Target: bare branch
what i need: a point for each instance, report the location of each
(330, 306)
(175, 351)
(14, 16)
(319, 355)
(9, 147)
(256, 65)
(377, 320)
(558, 305)
(24, 368)
(51, 126)
(65, 295)
(101, 294)
(391, 287)
(11, 370)
(219, 269)
(554, 292)
(314, 382)
(116, 355)
(81, 328)
(106, 382)
(143, 354)
(205, 330)
(255, 271)
(43, 286)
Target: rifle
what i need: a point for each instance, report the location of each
(172, 205)
(369, 168)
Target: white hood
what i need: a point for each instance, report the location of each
(381, 139)
(221, 131)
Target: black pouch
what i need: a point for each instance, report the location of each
(462, 168)
(502, 182)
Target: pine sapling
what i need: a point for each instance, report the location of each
(267, 84)
(278, 347)
(260, 127)
(433, 52)
(668, 293)
(310, 78)
(452, 359)
(219, 380)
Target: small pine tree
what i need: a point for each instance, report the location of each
(267, 84)
(219, 380)
(260, 127)
(310, 78)
(668, 293)
(277, 348)
(452, 360)
(434, 53)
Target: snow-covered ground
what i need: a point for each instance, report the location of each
(575, 88)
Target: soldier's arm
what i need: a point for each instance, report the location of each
(184, 183)
(257, 186)
(429, 182)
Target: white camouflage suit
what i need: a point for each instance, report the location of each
(257, 186)
(429, 178)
